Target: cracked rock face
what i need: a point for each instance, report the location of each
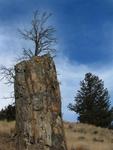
(39, 123)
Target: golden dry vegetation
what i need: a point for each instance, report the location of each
(7, 140)
(88, 137)
(78, 137)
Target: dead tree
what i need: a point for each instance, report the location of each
(8, 74)
(40, 34)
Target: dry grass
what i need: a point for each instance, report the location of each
(88, 137)
(6, 138)
(78, 136)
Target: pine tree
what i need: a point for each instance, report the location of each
(8, 113)
(92, 102)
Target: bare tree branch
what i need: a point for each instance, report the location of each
(8, 74)
(26, 55)
(40, 34)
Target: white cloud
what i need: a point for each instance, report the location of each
(70, 76)
(5, 90)
(70, 73)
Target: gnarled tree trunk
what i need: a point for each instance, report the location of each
(39, 123)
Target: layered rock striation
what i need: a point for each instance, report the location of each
(39, 123)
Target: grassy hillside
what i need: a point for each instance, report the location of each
(78, 136)
(88, 137)
(7, 140)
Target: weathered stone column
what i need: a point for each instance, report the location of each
(39, 123)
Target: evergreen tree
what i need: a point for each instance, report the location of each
(2, 114)
(92, 102)
(8, 113)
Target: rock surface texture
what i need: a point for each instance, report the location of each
(39, 123)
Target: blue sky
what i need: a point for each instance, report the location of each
(84, 29)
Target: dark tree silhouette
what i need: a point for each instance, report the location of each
(8, 113)
(92, 102)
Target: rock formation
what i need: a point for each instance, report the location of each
(39, 123)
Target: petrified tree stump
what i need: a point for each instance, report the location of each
(39, 123)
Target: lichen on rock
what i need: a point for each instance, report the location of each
(39, 123)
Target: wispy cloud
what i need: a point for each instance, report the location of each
(69, 72)
(70, 75)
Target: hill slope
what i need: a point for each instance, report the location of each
(88, 137)
(78, 137)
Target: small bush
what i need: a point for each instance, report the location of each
(81, 137)
(70, 126)
(98, 140)
(81, 130)
(95, 132)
